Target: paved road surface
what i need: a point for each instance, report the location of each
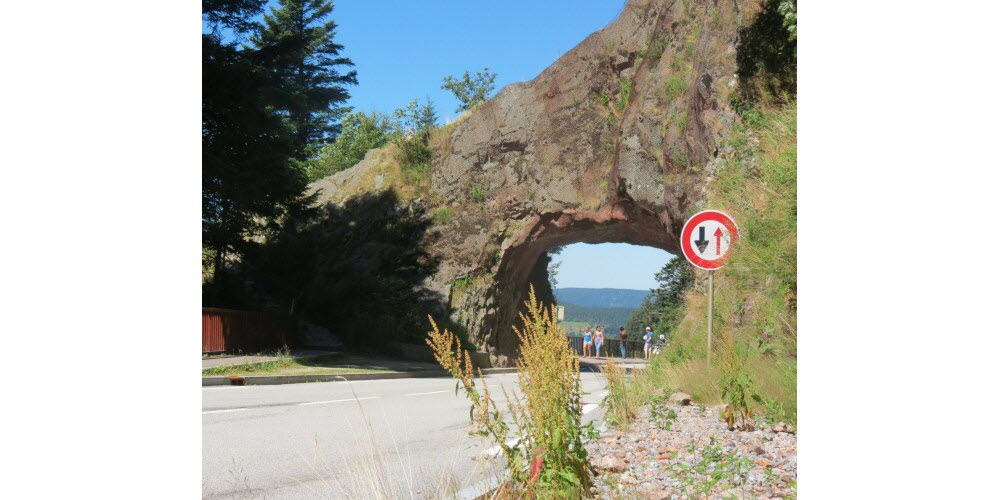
(311, 440)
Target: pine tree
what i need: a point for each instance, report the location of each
(415, 118)
(427, 116)
(248, 179)
(297, 44)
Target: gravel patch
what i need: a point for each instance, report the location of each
(697, 457)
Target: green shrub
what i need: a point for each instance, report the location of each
(414, 153)
(470, 89)
(661, 414)
(359, 133)
(714, 466)
(681, 119)
(624, 93)
(675, 85)
(477, 194)
(737, 388)
(463, 282)
(655, 49)
(443, 214)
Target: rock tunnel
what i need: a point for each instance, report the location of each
(526, 264)
(615, 142)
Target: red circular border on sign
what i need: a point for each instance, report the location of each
(692, 223)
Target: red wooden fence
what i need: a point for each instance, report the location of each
(228, 330)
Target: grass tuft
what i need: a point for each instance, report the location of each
(675, 85)
(622, 401)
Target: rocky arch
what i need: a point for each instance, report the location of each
(615, 142)
(526, 264)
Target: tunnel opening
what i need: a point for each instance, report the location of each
(525, 264)
(604, 286)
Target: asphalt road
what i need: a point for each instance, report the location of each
(404, 438)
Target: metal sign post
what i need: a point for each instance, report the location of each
(708, 354)
(715, 227)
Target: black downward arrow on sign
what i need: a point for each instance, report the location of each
(701, 242)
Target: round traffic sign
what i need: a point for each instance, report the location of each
(707, 238)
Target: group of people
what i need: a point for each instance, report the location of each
(592, 342)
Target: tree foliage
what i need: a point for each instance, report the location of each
(766, 56)
(470, 90)
(247, 178)
(262, 103)
(662, 308)
(609, 317)
(359, 133)
(415, 122)
(787, 9)
(296, 45)
(355, 269)
(415, 117)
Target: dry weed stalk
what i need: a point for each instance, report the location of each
(548, 457)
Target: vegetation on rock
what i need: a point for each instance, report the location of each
(755, 293)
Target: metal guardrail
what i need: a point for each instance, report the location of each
(611, 348)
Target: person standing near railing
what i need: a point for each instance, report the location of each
(624, 338)
(587, 341)
(598, 340)
(648, 345)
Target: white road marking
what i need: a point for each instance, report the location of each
(496, 449)
(425, 393)
(336, 401)
(224, 411)
(589, 407)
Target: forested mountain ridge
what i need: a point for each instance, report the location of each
(601, 297)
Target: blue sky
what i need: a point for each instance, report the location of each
(609, 265)
(402, 50)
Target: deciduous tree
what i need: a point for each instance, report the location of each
(470, 90)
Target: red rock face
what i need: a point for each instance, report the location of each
(612, 143)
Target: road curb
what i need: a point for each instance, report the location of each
(347, 377)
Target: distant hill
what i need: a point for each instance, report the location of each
(611, 317)
(601, 297)
(611, 307)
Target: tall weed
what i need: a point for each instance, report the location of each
(737, 386)
(546, 457)
(622, 400)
